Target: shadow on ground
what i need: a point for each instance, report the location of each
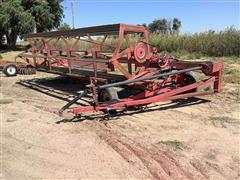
(65, 88)
(135, 110)
(61, 87)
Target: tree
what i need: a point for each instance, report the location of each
(159, 26)
(165, 26)
(18, 17)
(14, 21)
(176, 25)
(2, 39)
(64, 27)
(47, 13)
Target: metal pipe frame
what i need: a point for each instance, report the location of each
(47, 55)
(148, 78)
(167, 95)
(138, 65)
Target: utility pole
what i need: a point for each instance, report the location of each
(72, 4)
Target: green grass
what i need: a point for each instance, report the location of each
(227, 59)
(174, 144)
(184, 55)
(231, 70)
(23, 43)
(231, 75)
(210, 43)
(214, 46)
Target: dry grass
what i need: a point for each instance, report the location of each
(175, 144)
(6, 101)
(9, 55)
(222, 121)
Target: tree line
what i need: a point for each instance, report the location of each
(18, 17)
(164, 26)
(209, 43)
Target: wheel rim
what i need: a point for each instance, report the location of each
(11, 70)
(140, 52)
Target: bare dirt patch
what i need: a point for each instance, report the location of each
(196, 138)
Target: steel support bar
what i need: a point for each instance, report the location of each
(93, 31)
(183, 96)
(82, 93)
(68, 58)
(147, 78)
(160, 97)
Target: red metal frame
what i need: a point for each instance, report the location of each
(133, 61)
(18, 64)
(161, 95)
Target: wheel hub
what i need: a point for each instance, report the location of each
(11, 70)
(140, 52)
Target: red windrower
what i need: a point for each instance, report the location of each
(115, 58)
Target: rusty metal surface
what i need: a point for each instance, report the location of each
(18, 64)
(44, 53)
(93, 31)
(128, 62)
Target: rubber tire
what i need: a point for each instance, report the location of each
(190, 79)
(32, 70)
(112, 96)
(20, 71)
(26, 71)
(5, 70)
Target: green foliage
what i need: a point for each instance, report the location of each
(164, 26)
(159, 26)
(176, 24)
(194, 46)
(64, 27)
(2, 39)
(14, 20)
(231, 75)
(47, 13)
(210, 43)
(18, 17)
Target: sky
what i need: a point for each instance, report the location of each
(195, 15)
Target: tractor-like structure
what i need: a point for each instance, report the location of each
(122, 67)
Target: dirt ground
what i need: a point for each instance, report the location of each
(196, 138)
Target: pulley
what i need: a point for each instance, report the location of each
(141, 52)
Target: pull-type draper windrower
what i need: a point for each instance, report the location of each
(123, 68)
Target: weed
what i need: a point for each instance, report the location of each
(6, 101)
(231, 75)
(175, 144)
(222, 120)
(207, 87)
